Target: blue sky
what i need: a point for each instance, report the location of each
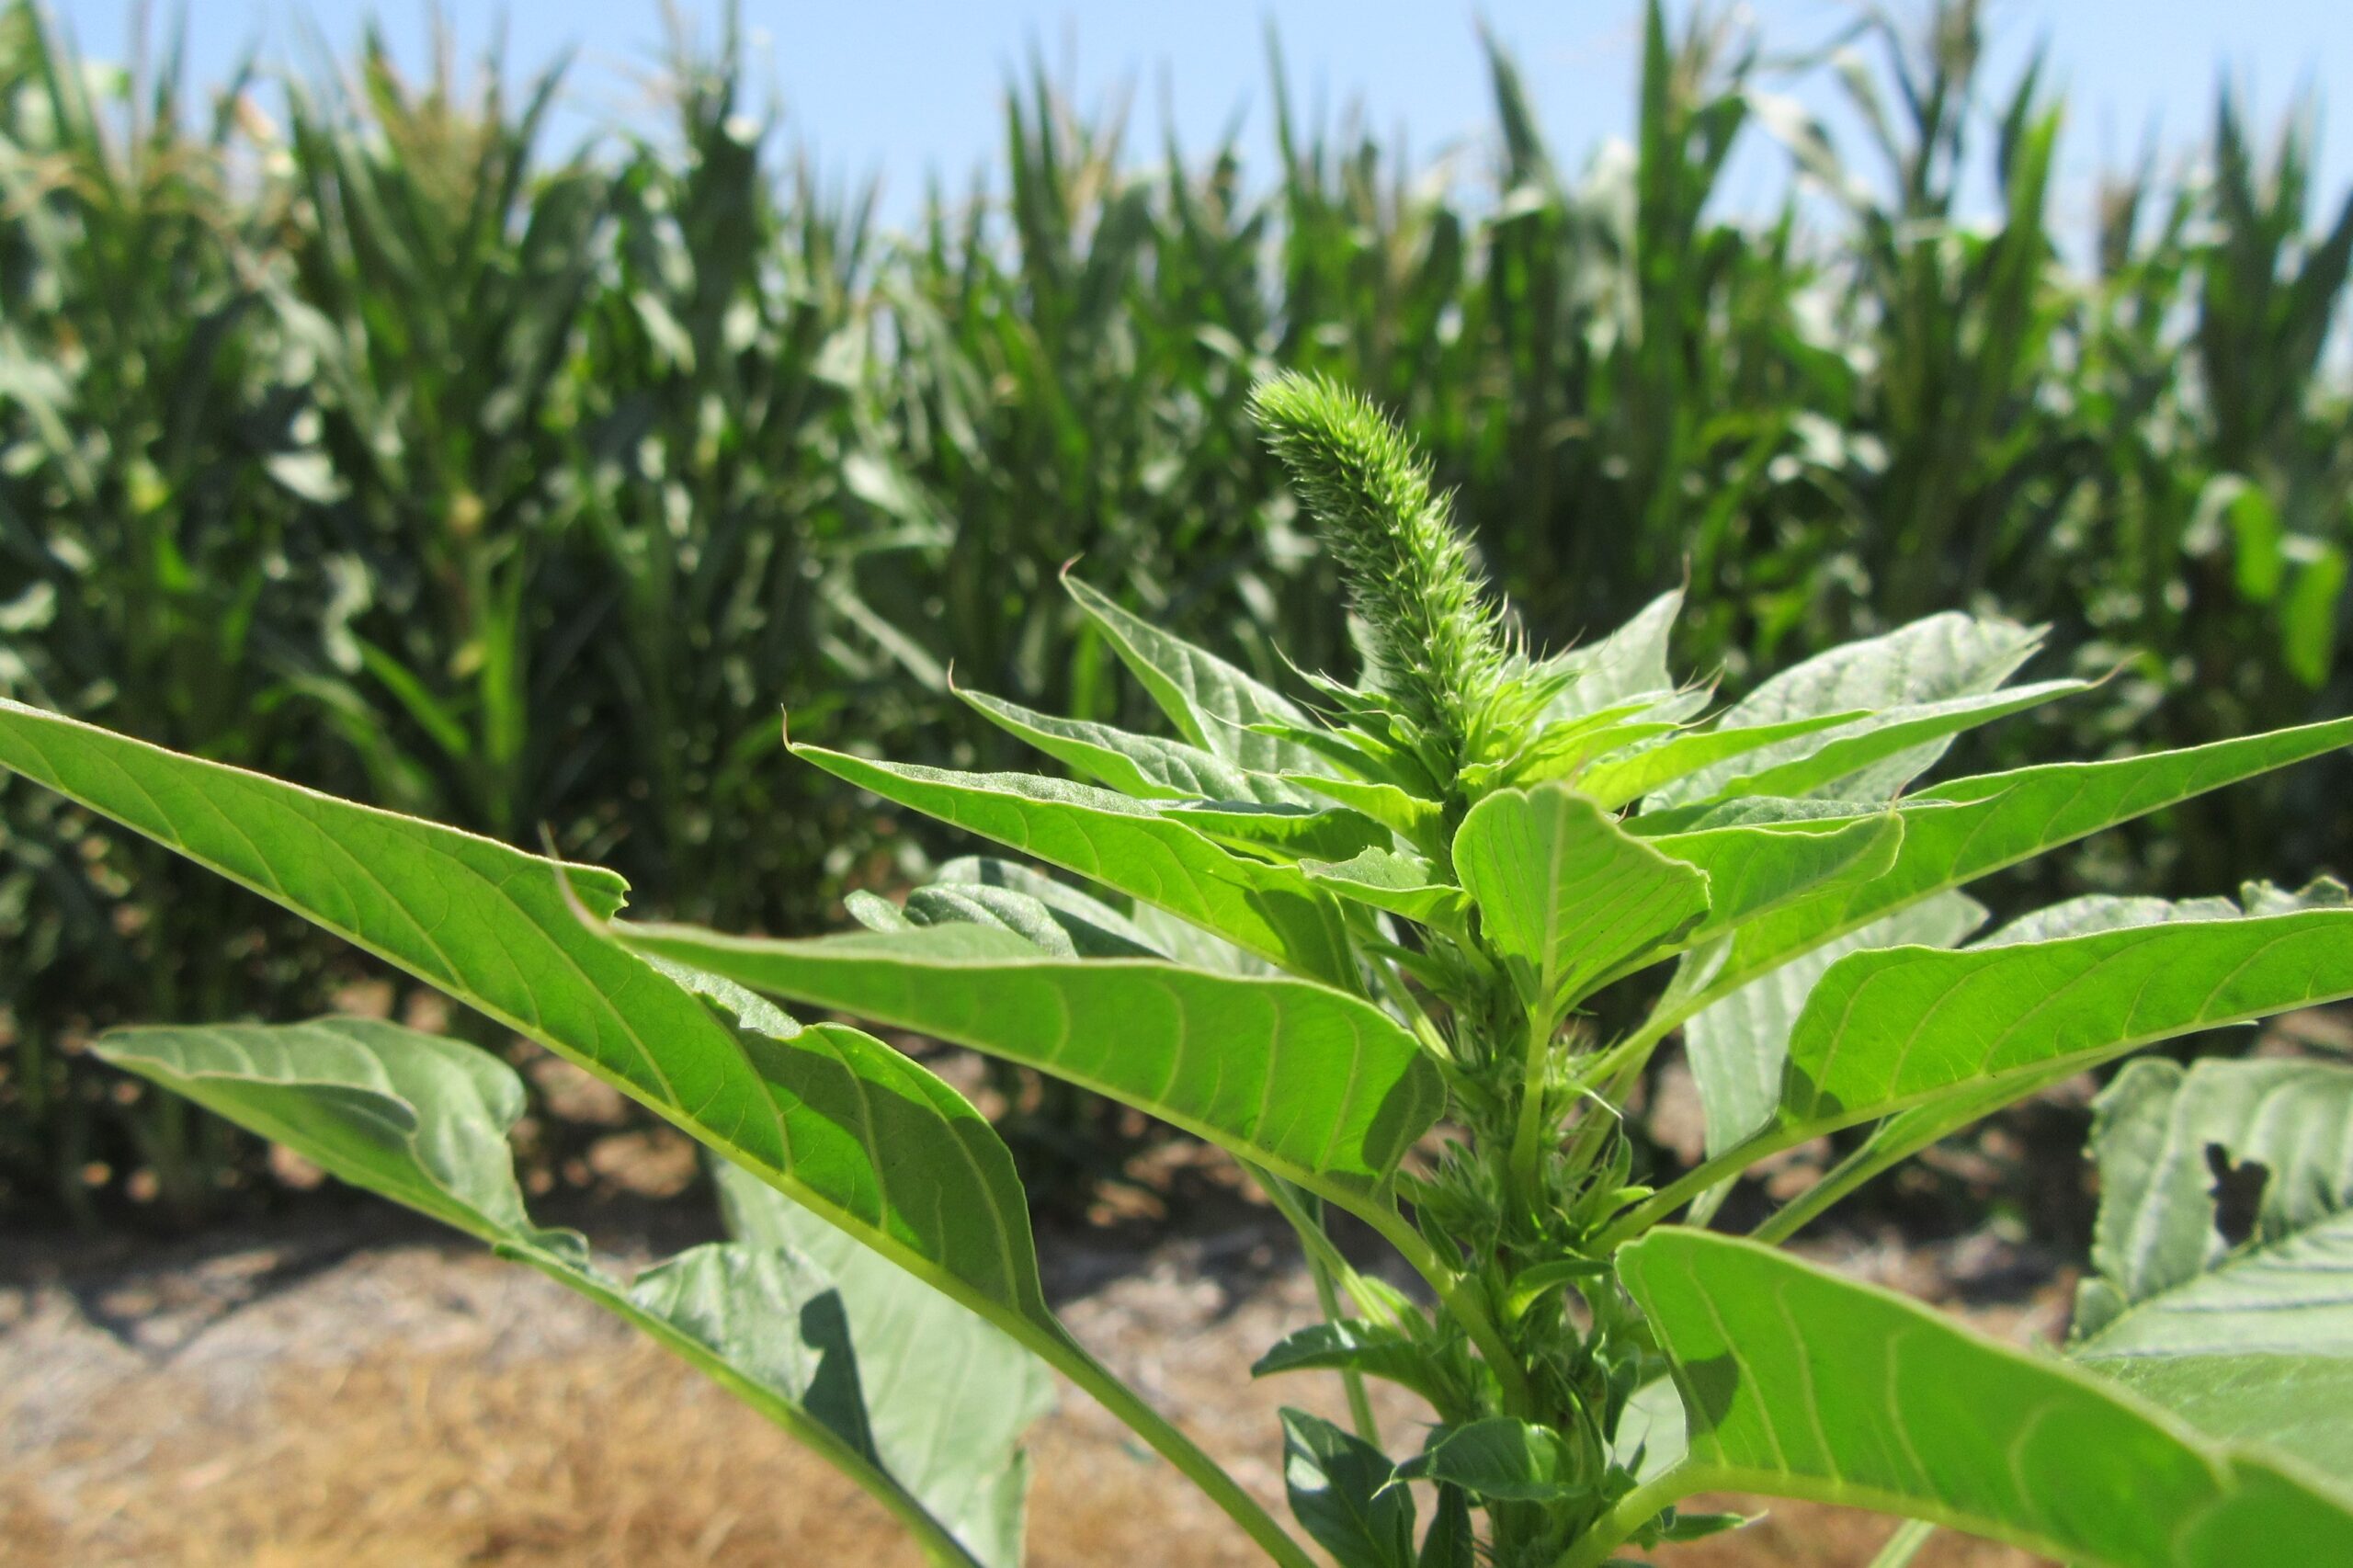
(900, 89)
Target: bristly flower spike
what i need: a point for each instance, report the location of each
(1435, 643)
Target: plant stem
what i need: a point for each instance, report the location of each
(1691, 1185)
(1172, 1445)
(1526, 1154)
(1904, 1544)
(1351, 1380)
(1464, 1297)
(1324, 1262)
(1593, 1549)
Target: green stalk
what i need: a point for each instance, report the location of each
(1464, 1297)
(1172, 1445)
(1351, 1380)
(1691, 1185)
(1528, 1133)
(1324, 1264)
(1904, 1544)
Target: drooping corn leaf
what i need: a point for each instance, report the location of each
(1268, 910)
(1318, 1086)
(1932, 660)
(1211, 703)
(1898, 1027)
(1737, 1047)
(836, 1119)
(1957, 832)
(1146, 767)
(1798, 1383)
(1565, 893)
(423, 1121)
(2252, 1339)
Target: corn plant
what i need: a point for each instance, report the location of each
(152, 446)
(1375, 940)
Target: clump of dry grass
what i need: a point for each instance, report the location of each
(445, 1411)
(403, 1460)
(622, 1457)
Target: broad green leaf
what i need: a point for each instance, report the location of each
(1211, 703)
(1900, 1026)
(1144, 767)
(948, 1396)
(1449, 1542)
(1196, 948)
(1629, 661)
(1314, 1084)
(1755, 869)
(1957, 832)
(836, 1119)
(1938, 656)
(988, 870)
(1738, 1047)
(424, 1121)
(1943, 656)
(1340, 1494)
(2291, 1404)
(1872, 758)
(1374, 1349)
(1501, 1458)
(1798, 1383)
(1283, 832)
(2104, 912)
(1900, 1136)
(1048, 927)
(1565, 893)
(1638, 771)
(413, 1117)
(2242, 1340)
(1404, 885)
(1418, 822)
(1270, 910)
(1651, 1437)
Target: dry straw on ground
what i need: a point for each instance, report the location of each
(411, 1406)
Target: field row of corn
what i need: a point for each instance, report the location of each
(351, 429)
